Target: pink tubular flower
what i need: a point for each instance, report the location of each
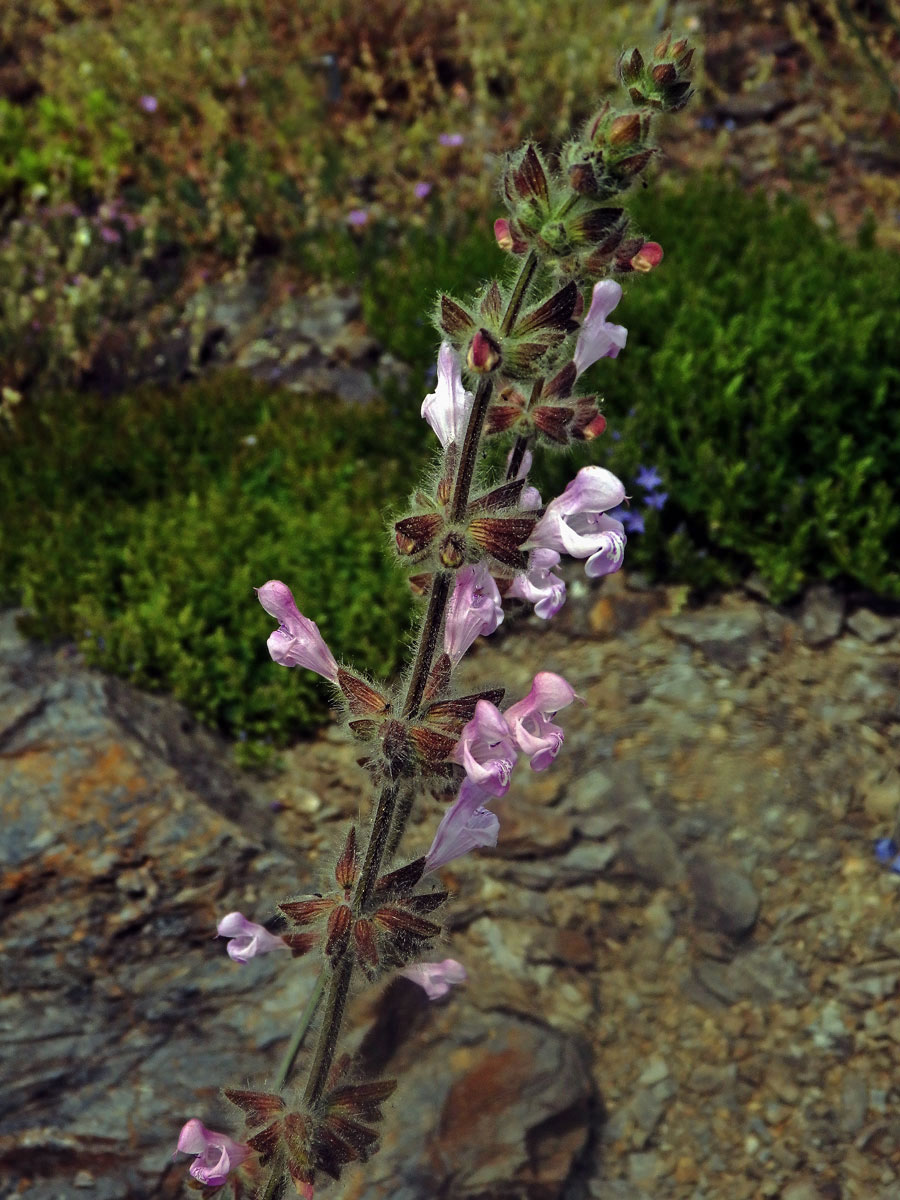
(436, 978)
(297, 641)
(217, 1154)
(576, 522)
(487, 749)
(598, 339)
(530, 719)
(246, 938)
(539, 586)
(531, 497)
(446, 409)
(466, 825)
(475, 609)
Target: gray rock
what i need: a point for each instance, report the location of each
(729, 639)
(822, 615)
(653, 856)
(725, 898)
(871, 627)
(854, 1102)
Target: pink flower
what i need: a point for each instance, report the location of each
(475, 609)
(576, 522)
(487, 749)
(598, 339)
(446, 409)
(297, 641)
(530, 719)
(465, 826)
(436, 978)
(246, 938)
(217, 1154)
(531, 497)
(539, 586)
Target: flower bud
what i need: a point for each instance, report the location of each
(630, 66)
(625, 130)
(649, 256)
(484, 353)
(452, 552)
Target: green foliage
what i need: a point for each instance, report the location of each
(761, 379)
(140, 526)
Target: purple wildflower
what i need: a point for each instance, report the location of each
(598, 338)
(446, 409)
(246, 938)
(656, 500)
(451, 139)
(149, 103)
(539, 586)
(531, 719)
(487, 749)
(436, 978)
(648, 478)
(475, 609)
(466, 825)
(297, 641)
(217, 1154)
(577, 522)
(358, 217)
(422, 189)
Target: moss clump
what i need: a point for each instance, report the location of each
(140, 526)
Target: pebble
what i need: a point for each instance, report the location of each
(822, 615)
(653, 856)
(725, 897)
(871, 627)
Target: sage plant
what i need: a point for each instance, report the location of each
(508, 368)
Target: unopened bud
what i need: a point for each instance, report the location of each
(678, 48)
(625, 130)
(594, 428)
(663, 48)
(452, 552)
(582, 178)
(630, 66)
(664, 73)
(484, 353)
(502, 234)
(649, 256)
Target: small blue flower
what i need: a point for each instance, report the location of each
(656, 499)
(887, 849)
(616, 436)
(648, 478)
(633, 521)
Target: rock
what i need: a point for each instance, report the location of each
(653, 856)
(871, 627)
(822, 615)
(729, 639)
(854, 1101)
(725, 898)
(801, 1189)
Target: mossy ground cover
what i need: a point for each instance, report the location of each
(140, 526)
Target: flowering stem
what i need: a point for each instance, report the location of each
(529, 266)
(309, 1011)
(428, 638)
(330, 1031)
(386, 830)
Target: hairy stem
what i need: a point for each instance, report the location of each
(309, 1011)
(386, 830)
(330, 1031)
(428, 637)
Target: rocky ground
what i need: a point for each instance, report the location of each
(683, 957)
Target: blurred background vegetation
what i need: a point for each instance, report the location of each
(150, 153)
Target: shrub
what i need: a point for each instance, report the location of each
(762, 377)
(140, 526)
